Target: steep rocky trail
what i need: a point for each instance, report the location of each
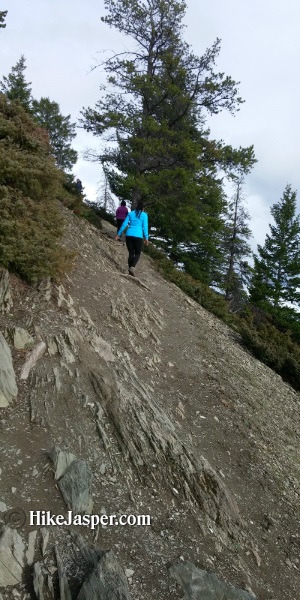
(165, 414)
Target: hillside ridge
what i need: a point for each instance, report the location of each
(153, 403)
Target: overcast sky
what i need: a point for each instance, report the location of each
(62, 40)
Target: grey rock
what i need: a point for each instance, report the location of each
(103, 435)
(107, 581)
(61, 460)
(64, 589)
(44, 288)
(31, 547)
(64, 343)
(201, 585)
(8, 386)
(147, 435)
(38, 581)
(50, 586)
(32, 358)
(45, 538)
(6, 301)
(129, 573)
(76, 487)
(19, 337)
(102, 347)
(102, 469)
(11, 557)
(74, 480)
(3, 507)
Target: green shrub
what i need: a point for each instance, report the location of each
(269, 338)
(100, 212)
(275, 349)
(30, 221)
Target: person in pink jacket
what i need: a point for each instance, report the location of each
(121, 214)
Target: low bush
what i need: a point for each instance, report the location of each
(30, 222)
(269, 337)
(274, 348)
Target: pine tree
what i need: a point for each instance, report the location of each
(209, 258)
(104, 198)
(15, 86)
(236, 247)
(60, 129)
(156, 114)
(3, 14)
(276, 276)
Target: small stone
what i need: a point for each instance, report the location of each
(3, 507)
(13, 490)
(52, 570)
(129, 573)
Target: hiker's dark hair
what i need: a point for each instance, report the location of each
(139, 208)
(123, 203)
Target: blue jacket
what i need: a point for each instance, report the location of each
(138, 225)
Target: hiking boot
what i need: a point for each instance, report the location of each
(132, 271)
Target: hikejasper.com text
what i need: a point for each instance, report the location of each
(46, 519)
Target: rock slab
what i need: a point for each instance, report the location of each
(74, 480)
(201, 585)
(8, 386)
(107, 581)
(76, 487)
(19, 337)
(11, 557)
(6, 301)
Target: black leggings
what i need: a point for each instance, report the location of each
(119, 224)
(134, 247)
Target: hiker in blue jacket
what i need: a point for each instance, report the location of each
(137, 223)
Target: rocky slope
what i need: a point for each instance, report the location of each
(122, 396)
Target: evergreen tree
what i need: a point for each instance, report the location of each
(156, 115)
(3, 14)
(15, 86)
(60, 129)
(209, 258)
(276, 276)
(104, 198)
(236, 247)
